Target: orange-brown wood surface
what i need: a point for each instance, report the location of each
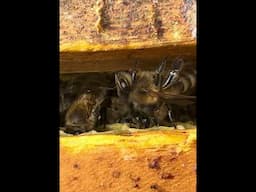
(156, 161)
(148, 59)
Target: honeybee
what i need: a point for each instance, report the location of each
(84, 113)
(84, 102)
(67, 94)
(154, 93)
(141, 98)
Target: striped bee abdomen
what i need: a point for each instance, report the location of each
(180, 82)
(188, 81)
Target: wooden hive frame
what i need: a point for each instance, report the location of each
(96, 37)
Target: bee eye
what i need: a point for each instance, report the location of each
(123, 84)
(133, 75)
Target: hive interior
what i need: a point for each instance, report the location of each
(74, 84)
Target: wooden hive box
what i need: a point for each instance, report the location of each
(111, 35)
(107, 35)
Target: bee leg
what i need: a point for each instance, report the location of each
(170, 80)
(162, 66)
(118, 84)
(146, 122)
(174, 73)
(138, 122)
(171, 119)
(154, 122)
(157, 124)
(171, 116)
(105, 117)
(159, 71)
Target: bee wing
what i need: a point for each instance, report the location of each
(107, 88)
(176, 96)
(181, 102)
(178, 99)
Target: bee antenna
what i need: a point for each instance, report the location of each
(162, 66)
(107, 88)
(165, 59)
(134, 70)
(136, 65)
(178, 63)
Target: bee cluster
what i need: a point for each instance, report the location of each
(141, 99)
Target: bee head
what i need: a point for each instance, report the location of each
(144, 91)
(123, 81)
(75, 116)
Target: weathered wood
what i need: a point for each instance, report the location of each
(163, 161)
(126, 22)
(106, 35)
(75, 62)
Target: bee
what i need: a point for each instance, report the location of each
(153, 93)
(83, 102)
(118, 111)
(177, 87)
(140, 98)
(67, 94)
(86, 113)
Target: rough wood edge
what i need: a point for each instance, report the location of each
(83, 46)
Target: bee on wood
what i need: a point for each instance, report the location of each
(153, 93)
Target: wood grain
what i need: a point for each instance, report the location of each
(107, 35)
(77, 62)
(122, 22)
(150, 161)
